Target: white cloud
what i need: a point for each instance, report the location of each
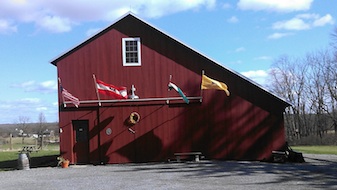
(293, 24)
(275, 5)
(304, 22)
(226, 6)
(258, 76)
(160, 8)
(41, 109)
(257, 73)
(62, 15)
(233, 19)
(26, 84)
(240, 49)
(327, 19)
(50, 85)
(42, 87)
(28, 107)
(31, 106)
(55, 24)
(29, 100)
(263, 58)
(92, 31)
(278, 35)
(6, 27)
(237, 50)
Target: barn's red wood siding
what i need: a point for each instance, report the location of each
(246, 125)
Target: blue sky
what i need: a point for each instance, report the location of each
(243, 35)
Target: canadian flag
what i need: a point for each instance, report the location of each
(111, 90)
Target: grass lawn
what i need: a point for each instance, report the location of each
(42, 158)
(316, 149)
(13, 155)
(9, 154)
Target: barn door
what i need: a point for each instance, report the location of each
(81, 148)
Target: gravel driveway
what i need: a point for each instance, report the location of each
(319, 172)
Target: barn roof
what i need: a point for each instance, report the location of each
(99, 33)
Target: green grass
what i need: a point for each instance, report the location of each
(316, 149)
(42, 158)
(9, 154)
(13, 155)
(6, 154)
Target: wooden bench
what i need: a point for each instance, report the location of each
(196, 154)
(279, 156)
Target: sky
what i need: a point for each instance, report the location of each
(245, 36)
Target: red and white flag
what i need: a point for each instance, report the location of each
(68, 96)
(111, 90)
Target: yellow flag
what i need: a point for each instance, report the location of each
(208, 83)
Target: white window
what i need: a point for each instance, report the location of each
(131, 51)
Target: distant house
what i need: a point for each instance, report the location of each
(247, 125)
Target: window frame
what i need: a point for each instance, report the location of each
(124, 52)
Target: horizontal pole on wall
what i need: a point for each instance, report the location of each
(140, 100)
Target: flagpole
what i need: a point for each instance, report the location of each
(168, 95)
(201, 91)
(61, 88)
(95, 82)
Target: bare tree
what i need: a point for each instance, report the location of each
(309, 84)
(288, 81)
(334, 40)
(23, 127)
(41, 129)
(330, 74)
(317, 90)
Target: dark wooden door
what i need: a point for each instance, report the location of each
(81, 148)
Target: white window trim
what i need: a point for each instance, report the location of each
(124, 53)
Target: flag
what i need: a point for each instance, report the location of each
(176, 88)
(111, 90)
(68, 96)
(208, 83)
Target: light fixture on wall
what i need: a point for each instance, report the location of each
(133, 95)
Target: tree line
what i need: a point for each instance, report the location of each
(309, 83)
(23, 128)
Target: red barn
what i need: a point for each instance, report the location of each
(247, 125)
